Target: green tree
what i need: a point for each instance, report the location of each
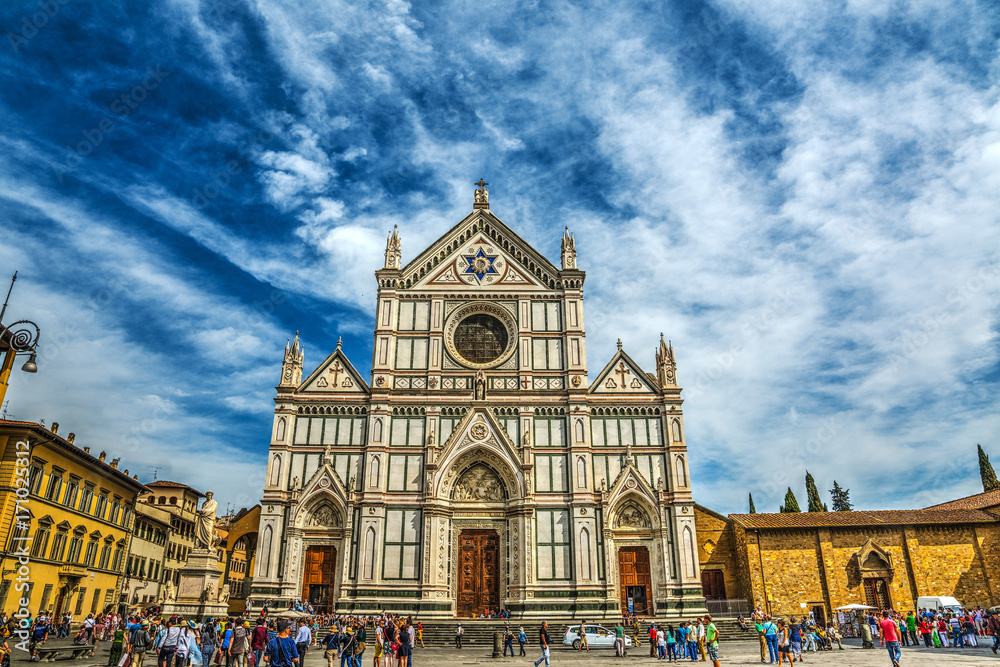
(812, 494)
(753, 510)
(986, 472)
(791, 504)
(841, 498)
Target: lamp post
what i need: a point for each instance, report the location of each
(19, 337)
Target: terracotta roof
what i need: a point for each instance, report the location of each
(163, 483)
(977, 501)
(862, 518)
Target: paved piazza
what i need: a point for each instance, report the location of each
(732, 653)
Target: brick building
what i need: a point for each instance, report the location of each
(824, 560)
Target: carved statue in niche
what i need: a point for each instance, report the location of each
(632, 517)
(480, 386)
(478, 484)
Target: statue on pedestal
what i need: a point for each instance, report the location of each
(170, 593)
(205, 533)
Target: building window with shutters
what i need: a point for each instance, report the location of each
(79, 600)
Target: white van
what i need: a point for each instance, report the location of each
(939, 603)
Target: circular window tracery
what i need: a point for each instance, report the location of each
(481, 338)
(481, 335)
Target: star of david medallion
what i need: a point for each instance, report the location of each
(479, 267)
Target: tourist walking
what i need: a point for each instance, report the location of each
(770, 631)
(168, 645)
(543, 642)
(458, 636)
(118, 645)
(508, 641)
(281, 650)
(759, 627)
(209, 640)
(348, 642)
(258, 641)
(303, 638)
(140, 643)
(522, 639)
(619, 640)
(784, 645)
(712, 641)
(582, 631)
(237, 654)
(889, 634)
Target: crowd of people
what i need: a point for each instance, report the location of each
(244, 641)
(689, 640)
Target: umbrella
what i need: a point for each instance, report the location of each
(854, 606)
(290, 613)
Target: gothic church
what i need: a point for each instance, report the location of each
(478, 467)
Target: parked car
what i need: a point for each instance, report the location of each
(597, 637)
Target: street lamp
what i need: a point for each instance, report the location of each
(20, 337)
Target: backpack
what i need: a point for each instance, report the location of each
(40, 631)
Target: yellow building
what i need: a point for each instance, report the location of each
(241, 546)
(65, 519)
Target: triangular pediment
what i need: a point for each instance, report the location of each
(336, 375)
(325, 486)
(480, 252)
(631, 490)
(623, 376)
(479, 436)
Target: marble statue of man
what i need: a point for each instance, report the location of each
(205, 526)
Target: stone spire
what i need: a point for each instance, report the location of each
(291, 367)
(393, 249)
(666, 367)
(568, 250)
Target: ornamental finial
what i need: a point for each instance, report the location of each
(482, 199)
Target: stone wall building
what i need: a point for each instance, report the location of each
(886, 559)
(479, 468)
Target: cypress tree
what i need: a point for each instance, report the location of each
(812, 494)
(791, 504)
(841, 498)
(986, 472)
(753, 510)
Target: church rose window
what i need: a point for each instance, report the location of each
(481, 338)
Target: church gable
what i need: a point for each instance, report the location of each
(335, 375)
(480, 251)
(622, 376)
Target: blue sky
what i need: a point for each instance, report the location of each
(802, 196)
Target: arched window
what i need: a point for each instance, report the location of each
(163, 500)
(265, 560)
(369, 571)
(275, 471)
(681, 473)
(676, 427)
(173, 500)
(579, 430)
(581, 473)
(377, 430)
(373, 476)
(279, 435)
(585, 554)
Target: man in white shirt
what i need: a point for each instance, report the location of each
(303, 638)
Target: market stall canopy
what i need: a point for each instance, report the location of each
(854, 606)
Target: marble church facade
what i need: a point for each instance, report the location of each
(477, 466)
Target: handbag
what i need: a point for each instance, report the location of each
(125, 661)
(360, 648)
(252, 659)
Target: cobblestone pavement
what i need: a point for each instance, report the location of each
(732, 653)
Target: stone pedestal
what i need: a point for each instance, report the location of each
(198, 594)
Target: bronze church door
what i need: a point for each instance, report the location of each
(478, 572)
(317, 584)
(633, 578)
